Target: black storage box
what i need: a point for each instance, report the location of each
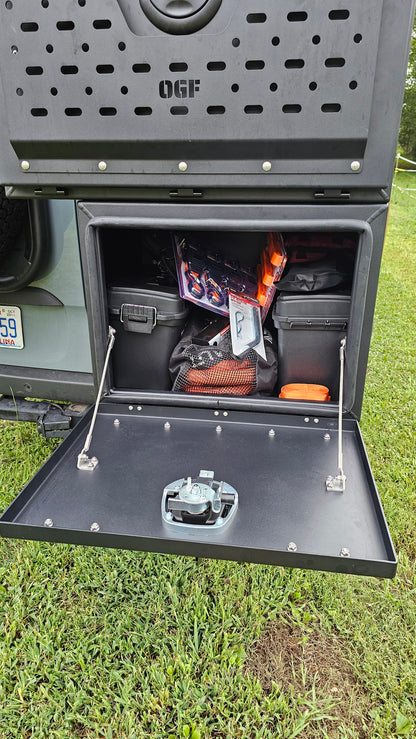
(219, 117)
(309, 330)
(242, 450)
(148, 325)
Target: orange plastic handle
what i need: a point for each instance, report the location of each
(305, 391)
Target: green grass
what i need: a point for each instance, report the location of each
(105, 643)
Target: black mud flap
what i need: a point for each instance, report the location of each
(223, 484)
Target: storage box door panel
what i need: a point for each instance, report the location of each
(284, 514)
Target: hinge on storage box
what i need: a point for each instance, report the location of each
(332, 194)
(50, 192)
(185, 192)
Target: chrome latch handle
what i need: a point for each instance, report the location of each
(199, 503)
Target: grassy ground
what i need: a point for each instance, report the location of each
(104, 643)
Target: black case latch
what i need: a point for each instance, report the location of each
(140, 319)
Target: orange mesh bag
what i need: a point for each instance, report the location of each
(214, 370)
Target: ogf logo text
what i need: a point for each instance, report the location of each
(181, 89)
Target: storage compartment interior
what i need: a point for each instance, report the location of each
(307, 319)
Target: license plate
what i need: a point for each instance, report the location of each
(11, 333)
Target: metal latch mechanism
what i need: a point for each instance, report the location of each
(199, 503)
(84, 462)
(337, 483)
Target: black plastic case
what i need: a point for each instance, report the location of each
(309, 329)
(148, 325)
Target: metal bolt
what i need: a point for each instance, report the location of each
(116, 422)
(195, 491)
(14, 50)
(216, 413)
(139, 408)
(182, 166)
(25, 165)
(345, 552)
(130, 407)
(167, 426)
(267, 166)
(355, 166)
(48, 522)
(291, 547)
(95, 527)
(316, 420)
(272, 433)
(102, 166)
(306, 419)
(225, 413)
(327, 437)
(218, 429)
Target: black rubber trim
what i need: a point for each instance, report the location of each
(12, 217)
(180, 25)
(30, 296)
(35, 254)
(36, 382)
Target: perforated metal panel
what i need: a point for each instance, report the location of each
(286, 83)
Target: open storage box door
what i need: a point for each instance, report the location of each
(277, 465)
(272, 456)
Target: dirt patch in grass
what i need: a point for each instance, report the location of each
(285, 655)
(297, 661)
